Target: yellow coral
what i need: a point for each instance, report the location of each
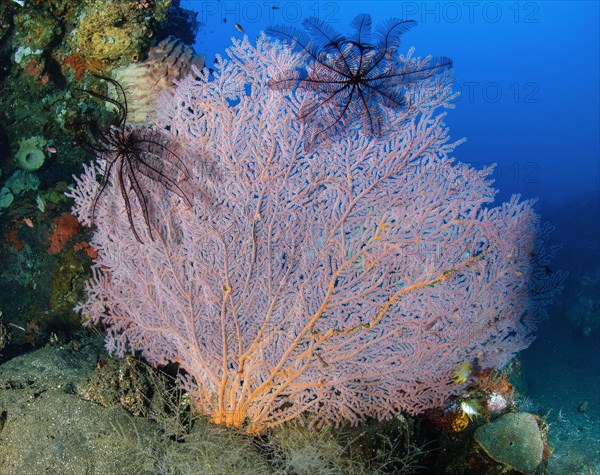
(109, 42)
(109, 34)
(460, 422)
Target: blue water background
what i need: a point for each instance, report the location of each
(528, 73)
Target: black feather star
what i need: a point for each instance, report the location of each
(131, 152)
(352, 78)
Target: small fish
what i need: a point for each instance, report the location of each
(239, 28)
(470, 408)
(224, 20)
(28, 222)
(275, 7)
(51, 150)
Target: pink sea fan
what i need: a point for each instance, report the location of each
(343, 283)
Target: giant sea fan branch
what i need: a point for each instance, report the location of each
(346, 282)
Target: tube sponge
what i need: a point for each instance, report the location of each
(31, 154)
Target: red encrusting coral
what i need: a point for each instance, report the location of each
(77, 63)
(80, 64)
(87, 248)
(64, 227)
(35, 70)
(11, 239)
